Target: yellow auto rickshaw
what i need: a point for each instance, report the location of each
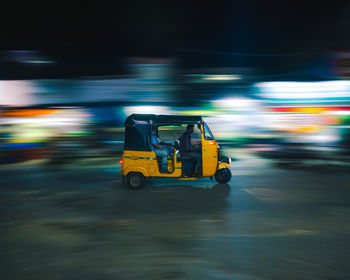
(140, 162)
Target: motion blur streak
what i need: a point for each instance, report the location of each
(268, 114)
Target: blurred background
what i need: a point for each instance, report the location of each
(269, 77)
(272, 80)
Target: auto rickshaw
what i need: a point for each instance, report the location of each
(139, 161)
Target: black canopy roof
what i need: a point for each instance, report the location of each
(162, 119)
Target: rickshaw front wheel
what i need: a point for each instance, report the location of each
(223, 175)
(135, 180)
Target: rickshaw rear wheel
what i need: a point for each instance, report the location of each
(135, 180)
(223, 175)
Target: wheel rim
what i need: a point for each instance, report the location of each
(222, 175)
(135, 180)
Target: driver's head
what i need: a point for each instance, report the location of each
(190, 128)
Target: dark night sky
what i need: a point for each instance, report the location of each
(90, 38)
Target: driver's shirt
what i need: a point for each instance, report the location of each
(155, 141)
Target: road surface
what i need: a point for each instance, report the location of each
(80, 222)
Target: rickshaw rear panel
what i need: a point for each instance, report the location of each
(146, 163)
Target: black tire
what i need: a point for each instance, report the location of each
(222, 176)
(135, 181)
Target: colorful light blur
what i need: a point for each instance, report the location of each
(314, 113)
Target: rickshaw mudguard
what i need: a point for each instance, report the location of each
(222, 165)
(136, 168)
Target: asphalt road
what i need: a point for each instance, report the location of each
(80, 222)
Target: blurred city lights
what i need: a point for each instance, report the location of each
(17, 93)
(323, 138)
(221, 77)
(239, 103)
(343, 113)
(27, 56)
(304, 90)
(146, 110)
(39, 61)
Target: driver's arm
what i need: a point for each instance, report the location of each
(165, 144)
(157, 146)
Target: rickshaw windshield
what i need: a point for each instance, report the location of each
(207, 133)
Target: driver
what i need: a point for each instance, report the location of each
(186, 150)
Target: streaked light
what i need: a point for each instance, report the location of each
(146, 110)
(221, 77)
(52, 121)
(39, 61)
(18, 93)
(25, 113)
(303, 90)
(340, 113)
(323, 138)
(305, 95)
(236, 103)
(311, 110)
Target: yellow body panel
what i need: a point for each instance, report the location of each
(135, 168)
(146, 163)
(209, 156)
